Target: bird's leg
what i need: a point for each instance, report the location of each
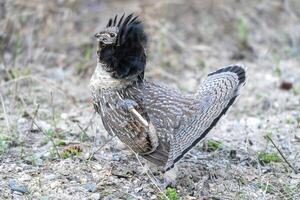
(170, 177)
(129, 105)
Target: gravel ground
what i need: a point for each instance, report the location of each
(53, 145)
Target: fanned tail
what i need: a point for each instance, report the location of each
(215, 95)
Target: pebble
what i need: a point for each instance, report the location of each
(44, 198)
(55, 184)
(17, 187)
(25, 177)
(39, 162)
(95, 196)
(138, 189)
(50, 176)
(91, 187)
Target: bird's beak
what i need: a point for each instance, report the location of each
(98, 46)
(98, 49)
(97, 36)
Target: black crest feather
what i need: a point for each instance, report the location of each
(126, 58)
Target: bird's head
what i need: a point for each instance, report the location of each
(107, 37)
(121, 48)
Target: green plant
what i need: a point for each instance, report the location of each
(289, 121)
(298, 120)
(266, 187)
(264, 157)
(268, 135)
(16, 72)
(57, 133)
(277, 70)
(212, 145)
(171, 194)
(31, 159)
(17, 46)
(3, 146)
(84, 137)
(5, 141)
(88, 52)
(60, 143)
(79, 67)
(286, 190)
(44, 141)
(296, 90)
(71, 151)
(242, 30)
(201, 63)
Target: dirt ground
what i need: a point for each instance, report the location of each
(53, 145)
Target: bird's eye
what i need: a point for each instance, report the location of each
(104, 39)
(112, 34)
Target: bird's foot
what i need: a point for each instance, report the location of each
(170, 177)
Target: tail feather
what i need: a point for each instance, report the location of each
(217, 93)
(237, 69)
(158, 157)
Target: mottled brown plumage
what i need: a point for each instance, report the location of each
(175, 122)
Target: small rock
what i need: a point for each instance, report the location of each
(49, 176)
(44, 198)
(266, 104)
(64, 116)
(285, 85)
(55, 184)
(138, 189)
(232, 154)
(64, 172)
(17, 187)
(16, 195)
(39, 162)
(25, 177)
(91, 187)
(95, 196)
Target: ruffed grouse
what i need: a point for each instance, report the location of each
(156, 122)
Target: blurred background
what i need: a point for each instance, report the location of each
(47, 56)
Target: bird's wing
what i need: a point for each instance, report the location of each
(165, 108)
(216, 94)
(140, 135)
(120, 121)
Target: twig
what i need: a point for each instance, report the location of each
(53, 110)
(5, 113)
(266, 189)
(286, 161)
(16, 90)
(34, 115)
(50, 138)
(40, 129)
(15, 80)
(105, 143)
(88, 125)
(149, 176)
(83, 130)
(90, 121)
